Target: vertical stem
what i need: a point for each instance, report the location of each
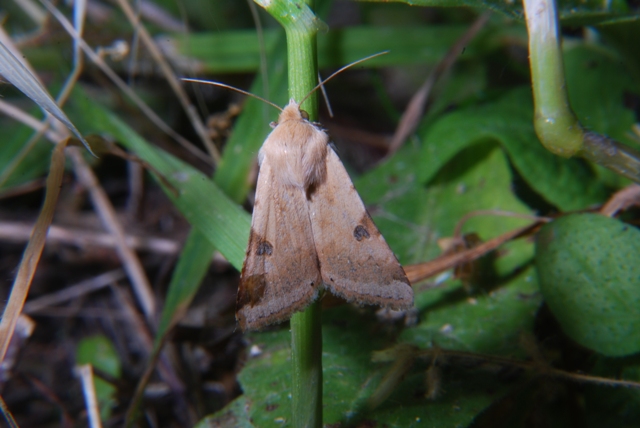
(555, 123)
(301, 26)
(306, 327)
(306, 357)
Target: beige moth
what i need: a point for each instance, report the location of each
(310, 231)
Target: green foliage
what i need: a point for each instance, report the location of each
(206, 207)
(571, 12)
(589, 276)
(350, 377)
(475, 149)
(102, 355)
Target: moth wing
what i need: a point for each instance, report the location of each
(355, 260)
(280, 274)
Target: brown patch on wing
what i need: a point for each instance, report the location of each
(355, 261)
(280, 273)
(252, 291)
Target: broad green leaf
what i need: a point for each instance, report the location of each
(568, 184)
(349, 338)
(599, 83)
(589, 276)
(412, 218)
(489, 323)
(477, 179)
(234, 415)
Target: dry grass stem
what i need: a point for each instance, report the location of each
(107, 214)
(85, 372)
(173, 81)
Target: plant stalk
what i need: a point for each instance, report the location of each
(301, 26)
(556, 125)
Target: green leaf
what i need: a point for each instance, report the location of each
(349, 338)
(16, 167)
(599, 83)
(478, 178)
(237, 160)
(415, 218)
(568, 184)
(589, 276)
(234, 415)
(488, 323)
(99, 352)
(412, 218)
(14, 71)
(240, 51)
(204, 205)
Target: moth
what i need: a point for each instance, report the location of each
(310, 231)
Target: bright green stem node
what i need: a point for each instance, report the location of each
(301, 26)
(555, 123)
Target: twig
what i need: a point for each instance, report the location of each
(422, 271)
(457, 230)
(33, 252)
(85, 372)
(621, 200)
(7, 414)
(107, 214)
(74, 291)
(542, 370)
(11, 231)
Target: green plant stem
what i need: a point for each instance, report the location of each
(301, 26)
(556, 125)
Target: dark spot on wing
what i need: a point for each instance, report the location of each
(264, 247)
(361, 232)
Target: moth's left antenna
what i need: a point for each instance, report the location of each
(233, 88)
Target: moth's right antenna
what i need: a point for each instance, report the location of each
(340, 71)
(233, 88)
